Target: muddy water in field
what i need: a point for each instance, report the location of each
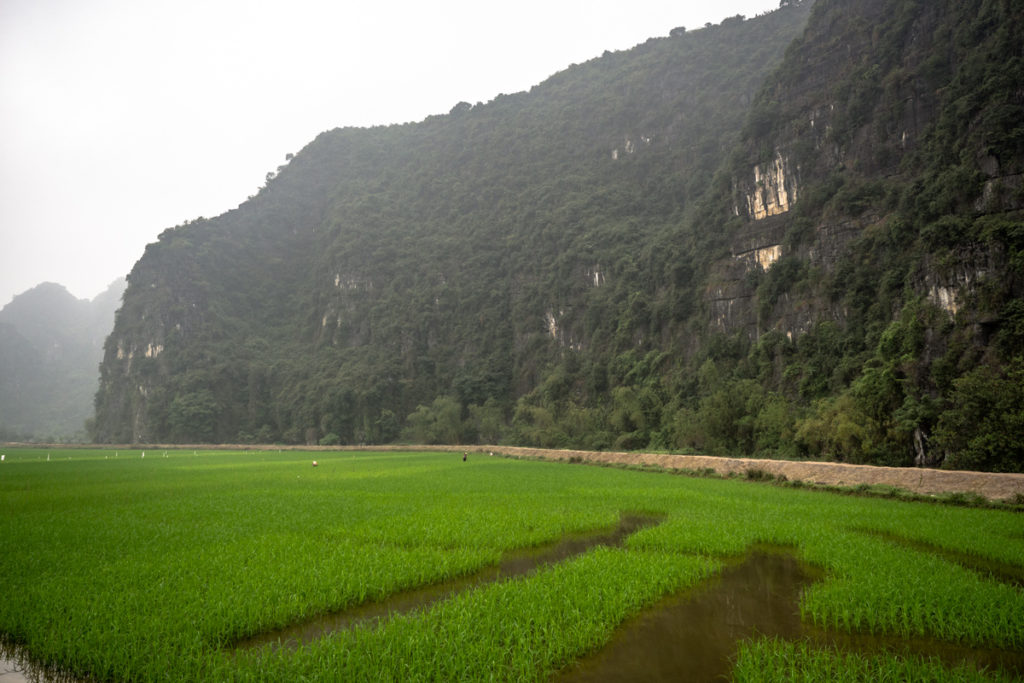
(16, 668)
(512, 564)
(11, 671)
(951, 654)
(696, 636)
(690, 637)
(993, 569)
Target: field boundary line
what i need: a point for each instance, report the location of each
(991, 485)
(920, 480)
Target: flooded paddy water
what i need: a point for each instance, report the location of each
(692, 636)
(951, 654)
(998, 571)
(512, 564)
(16, 668)
(11, 671)
(695, 636)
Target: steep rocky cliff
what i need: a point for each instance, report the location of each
(383, 267)
(792, 234)
(853, 120)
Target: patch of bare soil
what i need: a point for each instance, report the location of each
(994, 486)
(991, 485)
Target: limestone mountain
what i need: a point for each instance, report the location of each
(795, 234)
(51, 345)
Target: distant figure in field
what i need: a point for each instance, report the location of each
(464, 454)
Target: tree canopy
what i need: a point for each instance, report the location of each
(739, 239)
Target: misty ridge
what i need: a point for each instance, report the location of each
(51, 344)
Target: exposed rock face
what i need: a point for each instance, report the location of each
(1001, 192)
(851, 143)
(952, 284)
(773, 190)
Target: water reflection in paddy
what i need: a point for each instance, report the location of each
(517, 563)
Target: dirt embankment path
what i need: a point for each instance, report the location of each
(991, 485)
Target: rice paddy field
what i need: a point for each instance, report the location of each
(169, 567)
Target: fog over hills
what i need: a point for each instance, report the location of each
(51, 345)
(792, 235)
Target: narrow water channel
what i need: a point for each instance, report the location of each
(694, 636)
(994, 569)
(512, 564)
(950, 654)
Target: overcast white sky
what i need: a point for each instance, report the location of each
(120, 118)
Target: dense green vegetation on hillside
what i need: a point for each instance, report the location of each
(50, 346)
(942, 215)
(578, 265)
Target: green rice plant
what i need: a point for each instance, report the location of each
(774, 661)
(523, 629)
(130, 566)
(121, 567)
(998, 537)
(881, 588)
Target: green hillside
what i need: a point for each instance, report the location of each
(50, 347)
(790, 235)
